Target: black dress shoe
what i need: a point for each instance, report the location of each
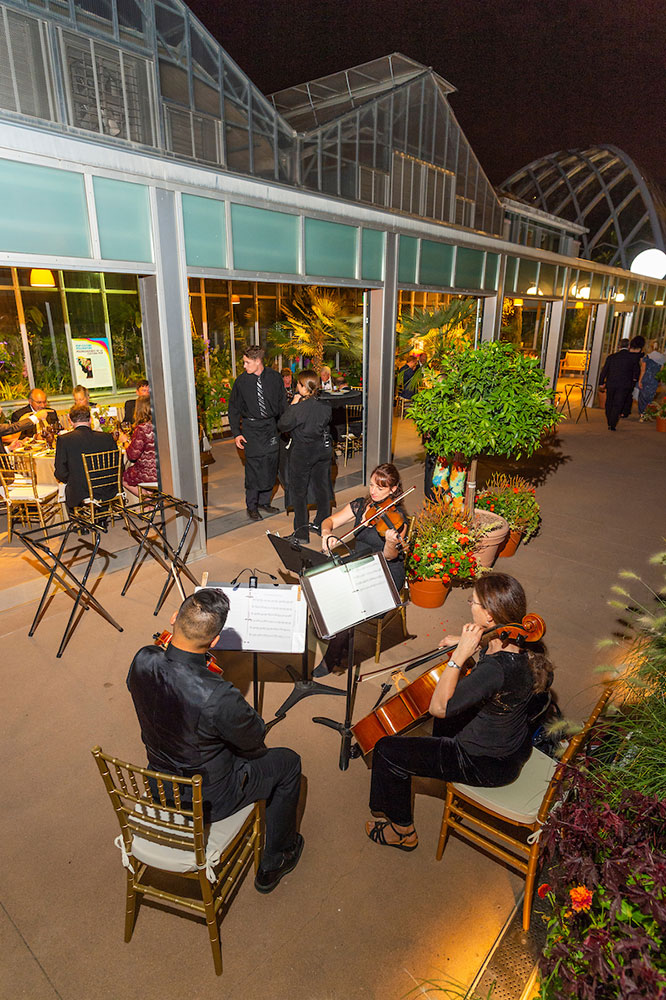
(269, 509)
(253, 514)
(315, 527)
(266, 881)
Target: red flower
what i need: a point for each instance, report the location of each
(543, 890)
(581, 898)
(446, 578)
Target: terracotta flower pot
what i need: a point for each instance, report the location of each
(661, 424)
(486, 550)
(428, 593)
(511, 543)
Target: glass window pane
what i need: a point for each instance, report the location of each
(43, 210)
(48, 342)
(126, 337)
(13, 376)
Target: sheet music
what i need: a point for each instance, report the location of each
(351, 593)
(264, 619)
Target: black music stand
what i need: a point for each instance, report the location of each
(144, 518)
(58, 570)
(362, 589)
(297, 557)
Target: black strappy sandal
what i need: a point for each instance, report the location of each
(376, 835)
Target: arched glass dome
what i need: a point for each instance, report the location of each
(602, 189)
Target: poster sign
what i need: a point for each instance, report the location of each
(92, 362)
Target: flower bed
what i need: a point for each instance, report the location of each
(515, 499)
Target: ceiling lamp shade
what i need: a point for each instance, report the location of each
(41, 277)
(650, 262)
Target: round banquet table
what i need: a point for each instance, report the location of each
(338, 401)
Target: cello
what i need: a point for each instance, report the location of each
(410, 703)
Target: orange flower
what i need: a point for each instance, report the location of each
(581, 898)
(543, 890)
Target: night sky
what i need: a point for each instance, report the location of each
(532, 77)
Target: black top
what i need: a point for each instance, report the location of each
(29, 429)
(621, 368)
(194, 722)
(69, 469)
(307, 421)
(369, 540)
(244, 404)
(502, 685)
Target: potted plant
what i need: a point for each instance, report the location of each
(656, 410)
(441, 550)
(490, 400)
(515, 499)
(316, 320)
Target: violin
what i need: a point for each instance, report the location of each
(410, 703)
(382, 516)
(162, 639)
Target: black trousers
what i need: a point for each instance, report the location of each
(616, 402)
(275, 777)
(396, 759)
(304, 473)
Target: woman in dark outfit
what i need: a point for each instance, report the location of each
(494, 742)
(310, 453)
(384, 484)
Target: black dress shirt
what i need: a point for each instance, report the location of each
(502, 686)
(194, 722)
(244, 403)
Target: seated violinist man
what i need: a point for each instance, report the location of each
(194, 722)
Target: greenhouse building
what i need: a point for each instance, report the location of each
(160, 214)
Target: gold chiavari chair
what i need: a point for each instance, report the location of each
(481, 815)
(106, 499)
(24, 498)
(162, 829)
(353, 436)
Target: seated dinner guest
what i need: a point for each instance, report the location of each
(326, 379)
(288, 379)
(195, 722)
(142, 392)
(16, 428)
(37, 402)
(310, 454)
(140, 449)
(384, 485)
(70, 448)
(481, 733)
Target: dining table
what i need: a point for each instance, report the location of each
(339, 401)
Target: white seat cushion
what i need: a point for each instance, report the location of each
(173, 859)
(26, 492)
(521, 800)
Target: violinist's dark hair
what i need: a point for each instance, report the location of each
(504, 599)
(388, 477)
(202, 615)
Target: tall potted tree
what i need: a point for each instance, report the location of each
(489, 400)
(314, 322)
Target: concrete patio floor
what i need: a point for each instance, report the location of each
(352, 922)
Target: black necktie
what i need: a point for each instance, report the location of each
(263, 412)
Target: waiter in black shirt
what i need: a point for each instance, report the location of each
(194, 722)
(257, 400)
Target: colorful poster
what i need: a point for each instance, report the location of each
(92, 362)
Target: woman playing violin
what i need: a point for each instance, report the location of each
(380, 535)
(481, 733)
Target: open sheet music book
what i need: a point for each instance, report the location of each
(341, 596)
(263, 619)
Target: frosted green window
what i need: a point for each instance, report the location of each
(407, 260)
(490, 277)
(123, 220)
(527, 276)
(43, 210)
(205, 235)
(330, 249)
(436, 263)
(510, 276)
(469, 268)
(547, 278)
(372, 254)
(264, 240)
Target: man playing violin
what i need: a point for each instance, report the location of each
(194, 722)
(481, 731)
(384, 533)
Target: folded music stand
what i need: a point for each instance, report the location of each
(341, 596)
(37, 540)
(144, 521)
(298, 558)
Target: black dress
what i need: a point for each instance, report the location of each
(309, 461)
(489, 750)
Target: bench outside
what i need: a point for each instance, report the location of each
(574, 361)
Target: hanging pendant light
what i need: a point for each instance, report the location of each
(41, 277)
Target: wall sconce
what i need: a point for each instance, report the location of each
(41, 277)
(619, 297)
(534, 290)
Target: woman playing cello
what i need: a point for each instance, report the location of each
(491, 706)
(384, 485)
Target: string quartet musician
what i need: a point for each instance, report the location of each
(481, 733)
(195, 722)
(384, 485)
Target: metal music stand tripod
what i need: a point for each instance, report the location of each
(59, 571)
(144, 518)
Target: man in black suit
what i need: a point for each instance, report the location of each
(69, 463)
(36, 403)
(28, 422)
(620, 374)
(142, 389)
(194, 721)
